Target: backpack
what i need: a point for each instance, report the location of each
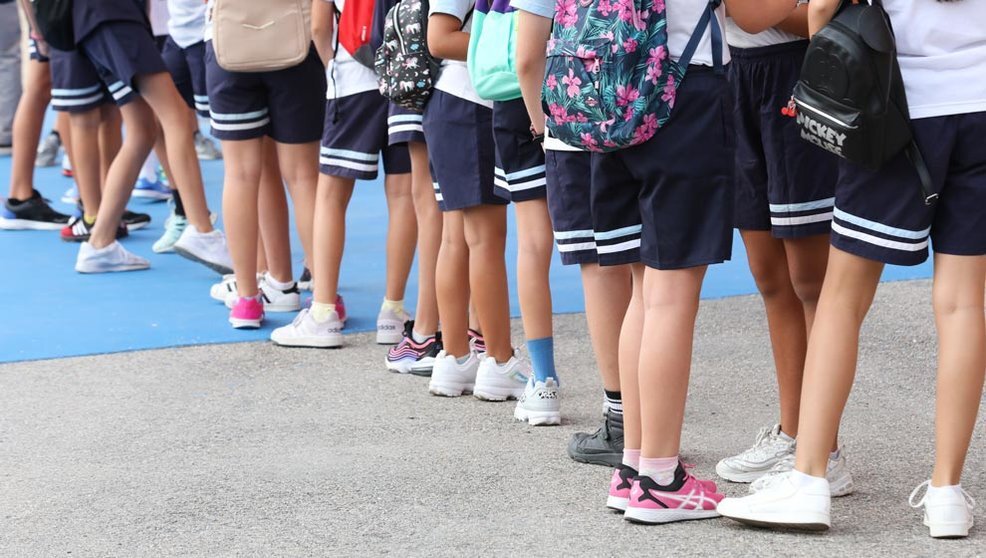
(493, 51)
(355, 28)
(406, 71)
(54, 21)
(610, 82)
(380, 11)
(850, 97)
(261, 36)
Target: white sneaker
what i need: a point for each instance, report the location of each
(770, 448)
(539, 404)
(113, 257)
(274, 299)
(838, 475)
(205, 149)
(304, 331)
(390, 326)
(451, 379)
(947, 510)
(208, 249)
(786, 504)
(499, 382)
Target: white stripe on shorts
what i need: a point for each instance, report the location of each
(568, 235)
(346, 164)
(226, 127)
(805, 206)
(349, 154)
(576, 247)
(75, 92)
(801, 220)
(405, 118)
(617, 233)
(57, 102)
(406, 128)
(621, 247)
(240, 116)
(880, 227)
(877, 241)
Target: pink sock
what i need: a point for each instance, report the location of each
(661, 469)
(631, 458)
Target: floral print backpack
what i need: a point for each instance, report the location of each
(609, 81)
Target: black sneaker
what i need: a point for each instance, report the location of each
(605, 447)
(135, 221)
(31, 215)
(408, 357)
(305, 281)
(79, 231)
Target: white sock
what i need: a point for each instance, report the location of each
(631, 458)
(801, 480)
(420, 337)
(277, 284)
(785, 437)
(939, 490)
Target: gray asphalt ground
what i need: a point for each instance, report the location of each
(257, 450)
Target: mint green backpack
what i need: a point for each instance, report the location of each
(493, 51)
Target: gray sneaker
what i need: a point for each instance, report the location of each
(48, 151)
(205, 149)
(605, 447)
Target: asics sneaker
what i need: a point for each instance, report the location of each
(80, 231)
(247, 313)
(208, 249)
(48, 150)
(34, 214)
(784, 504)
(71, 196)
(109, 259)
(539, 405)
(305, 331)
(619, 488)
(206, 149)
(838, 475)
(451, 379)
(685, 499)
(410, 357)
(604, 447)
(499, 382)
(947, 510)
(771, 447)
(155, 190)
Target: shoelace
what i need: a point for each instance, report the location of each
(969, 500)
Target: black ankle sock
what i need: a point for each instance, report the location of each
(179, 207)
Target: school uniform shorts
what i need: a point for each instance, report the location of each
(404, 125)
(520, 169)
(459, 134)
(783, 184)
(121, 51)
(187, 69)
(34, 53)
(679, 184)
(355, 137)
(881, 215)
(75, 82)
(287, 105)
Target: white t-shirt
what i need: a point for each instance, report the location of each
(187, 22)
(738, 38)
(159, 17)
(454, 78)
(942, 51)
(683, 16)
(344, 74)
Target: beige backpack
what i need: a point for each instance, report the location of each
(261, 35)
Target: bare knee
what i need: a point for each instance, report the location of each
(808, 287)
(772, 279)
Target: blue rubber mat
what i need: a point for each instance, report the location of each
(51, 311)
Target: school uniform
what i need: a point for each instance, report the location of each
(403, 125)
(33, 52)
(76, 85)
(783, 184)
(458, 127)
(679, 184)
(881, 215)
(184, 52)
(356, 132)
(286, 105)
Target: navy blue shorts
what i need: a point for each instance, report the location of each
(569, 205)
(355, 136)
(881, 215)
(75, 83)
(187, 69)
(459, 134)
(519, 159)
(783, 184)
(404, 125)
(288, 105)
(34, 53)
(680, 184)
(121, 51)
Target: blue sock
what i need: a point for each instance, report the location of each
(542, 353)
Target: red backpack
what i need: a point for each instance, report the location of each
(355, 28)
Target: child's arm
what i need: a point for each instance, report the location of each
(820, 12)
(446, 39)
(323, 24)
(533, 32)
(797, 22)
(754, 16)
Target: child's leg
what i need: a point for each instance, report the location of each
(402, 232)
(629, 360)
(535, 242)
(429, 224)
(830, 366)
(485, 229)
(83, 145)
(28, 121)
(243, 166)
(333, 197)
(275, 236)
(299, 169)
(807, 259)
(671, 300)
(607, 291)
(452, 275)
(958, 301)
(110, 138)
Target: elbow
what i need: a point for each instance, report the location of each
(751, 25)
(526, 65)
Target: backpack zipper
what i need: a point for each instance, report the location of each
(397, 28)
(823, 114)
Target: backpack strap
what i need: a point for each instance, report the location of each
(710, 21)
(927, 189)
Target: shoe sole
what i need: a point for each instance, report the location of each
(168, 250)
(740, 478)
(416, 368)
(244, 324)
(309, 343)
(218, 268)
(814, 523)
(25, 225)
(450, 390)
(137, 226)
(119, 269)
(151, 196)
(497, 394)
(601, 459)
(617, 504)
(659, 516)
(955, 531)
(538, 418)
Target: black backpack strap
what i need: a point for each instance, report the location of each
(710, 21)
(927, 189)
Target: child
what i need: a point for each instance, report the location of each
(245, 108)
(880, 218)
(113, 35)
(355, 135)
(784, 189)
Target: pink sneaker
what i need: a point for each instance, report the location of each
(619, 488)
(341, 309)
(247, 313)
(684, 499)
